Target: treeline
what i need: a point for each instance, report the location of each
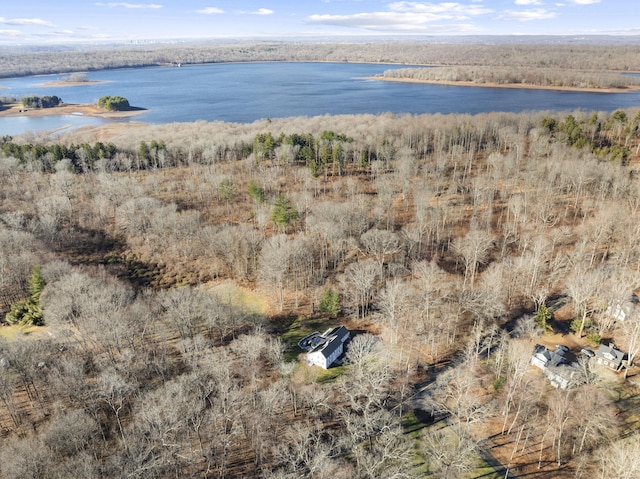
(548, 77)
(606, 137)
(613, 57)
(318, 154)
(44, 158)
(41, 101)
(84, 157)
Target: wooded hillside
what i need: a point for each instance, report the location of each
(554, 55)
(180, 265)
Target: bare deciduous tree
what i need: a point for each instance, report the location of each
(381, 244)
(473, 249)
(582, 285)
(274, 262)
(358, 285)
(450, 452)
(621, 458)
(393, 307)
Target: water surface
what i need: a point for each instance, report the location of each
(247, 92)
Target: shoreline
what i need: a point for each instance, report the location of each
(233, 62)
(71, 109)
(528, 86)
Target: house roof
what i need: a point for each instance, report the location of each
(550, 358)
(563, 375)
(611, 354)
(334, 339)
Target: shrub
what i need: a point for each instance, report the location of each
(498, 384)
(577, 323)
(594, 338)
(256, 193)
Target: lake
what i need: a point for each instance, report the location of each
(246, 92)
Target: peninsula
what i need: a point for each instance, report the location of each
(502, 77)
(70, 109)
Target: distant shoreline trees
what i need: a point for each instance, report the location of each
(597, 57)
(76, 77)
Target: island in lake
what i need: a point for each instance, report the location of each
(74, 79)
(72, 83)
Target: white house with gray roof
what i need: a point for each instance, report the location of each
(327, 347)
(555, 366)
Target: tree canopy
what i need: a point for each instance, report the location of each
(113, 103)
(41, 101)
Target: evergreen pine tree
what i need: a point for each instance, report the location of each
(29, 311)
(543, 317)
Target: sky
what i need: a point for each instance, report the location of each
(60, 21)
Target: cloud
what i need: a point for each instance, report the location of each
(10, 33)
(64, 33)
(379, 21)
(527, 15)
(210, 11)
(528, 2)
(446, 8)
(26, 21)
(259, 11)
(129, 5)
(263, 11)
(584, 2)
(409, 17)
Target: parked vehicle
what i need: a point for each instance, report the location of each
(587, 352)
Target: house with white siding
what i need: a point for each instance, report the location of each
(555, 366)
(327, 347)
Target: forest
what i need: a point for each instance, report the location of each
(156, 280)
(175, 267)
